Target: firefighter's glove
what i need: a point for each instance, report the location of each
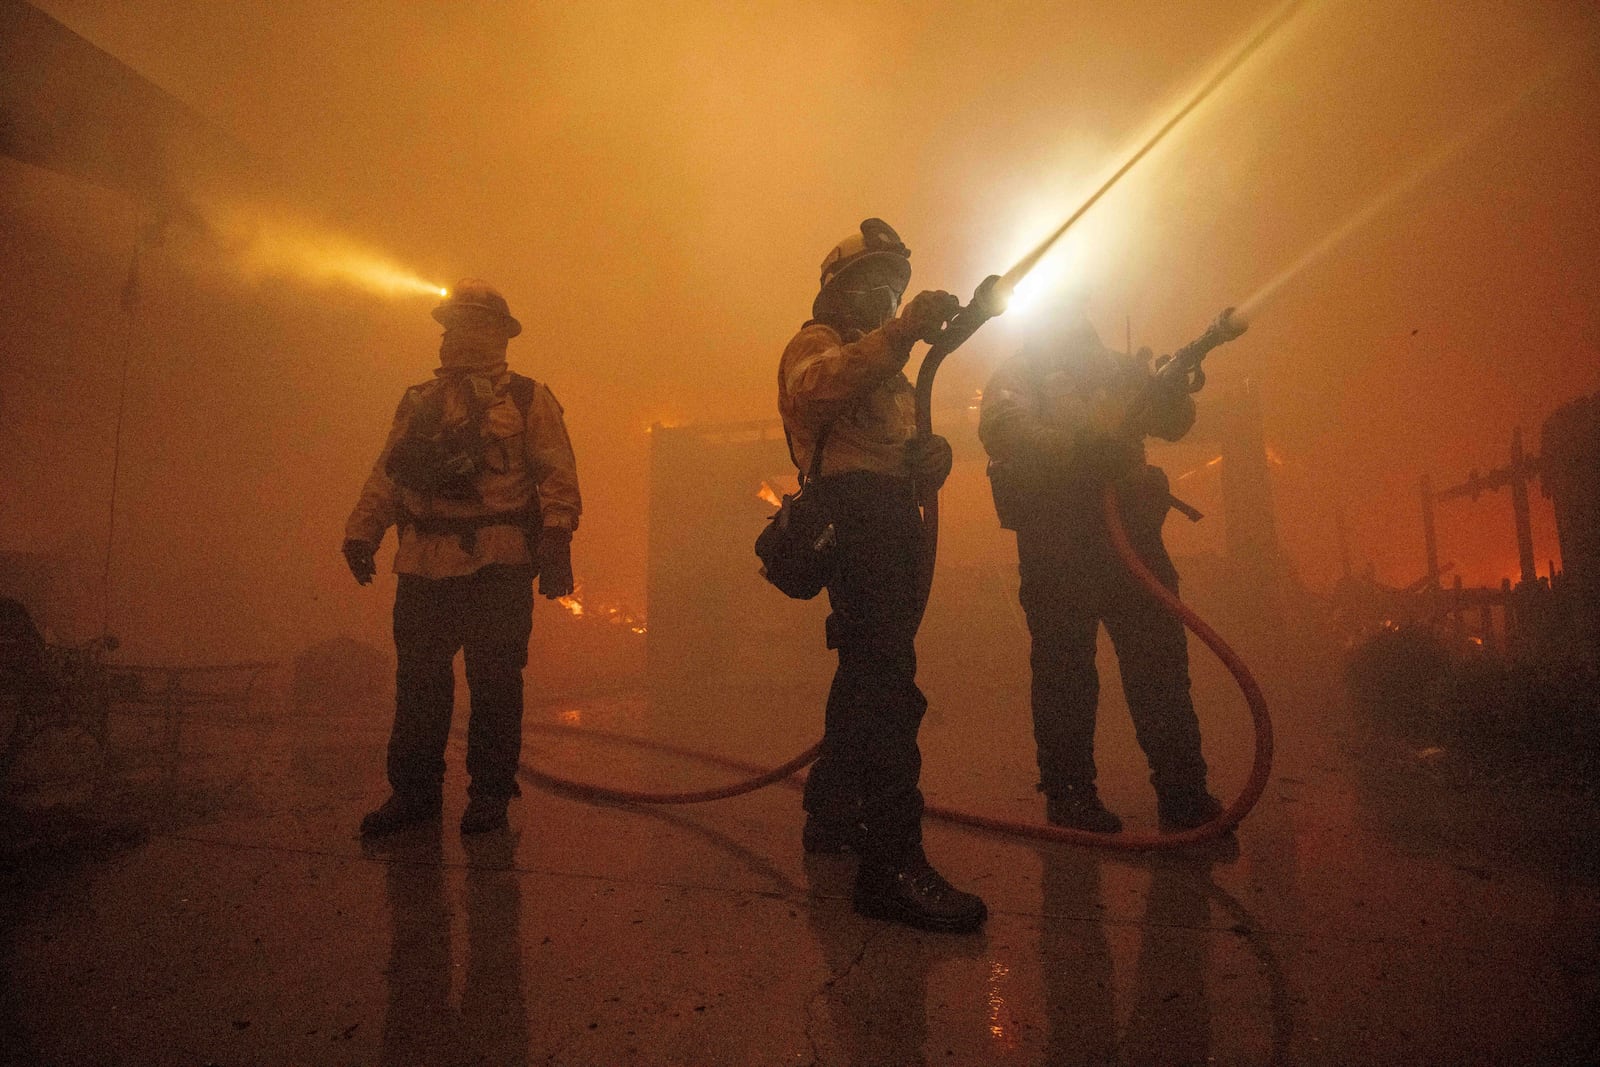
(555, 562)
(922, 319)
(1172, 381)
(929, 459)
(358, 555)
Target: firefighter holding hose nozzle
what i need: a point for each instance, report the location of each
(479, 479)
(841, 389)
(1061, 420)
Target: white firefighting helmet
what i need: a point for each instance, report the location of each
(472, 297)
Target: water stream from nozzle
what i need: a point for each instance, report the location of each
(1395, 191)
(1008, 281)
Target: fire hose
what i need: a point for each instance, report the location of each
(990, 300)
(963, 325)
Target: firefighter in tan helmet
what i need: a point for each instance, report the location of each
(841, 389)
(479, 479)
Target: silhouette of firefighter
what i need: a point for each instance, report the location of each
(479, 479)
(1054, 422)
(840, 383)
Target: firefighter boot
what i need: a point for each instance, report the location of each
(1185, 809)
(485, 813)
(399, 812)
(1079, 808)
(915, 894)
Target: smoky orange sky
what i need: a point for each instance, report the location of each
(653, 187)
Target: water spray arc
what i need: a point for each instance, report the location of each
(1009, 281)
(1431, 164)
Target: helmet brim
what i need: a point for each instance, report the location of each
(449, 314)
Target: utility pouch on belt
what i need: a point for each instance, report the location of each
(799, 546)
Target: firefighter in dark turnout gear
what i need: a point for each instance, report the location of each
(1054, 423)
(479, 478)
(841, 378)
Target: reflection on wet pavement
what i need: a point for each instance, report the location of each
(254, 928)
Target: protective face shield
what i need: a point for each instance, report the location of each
(864, 305)
(863, 278)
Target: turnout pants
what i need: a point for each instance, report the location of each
(870, 764)
(1071, 583)
(489, 616)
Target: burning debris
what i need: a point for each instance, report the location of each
(610, 614)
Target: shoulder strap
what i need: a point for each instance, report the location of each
(522, 389)
(816, 452)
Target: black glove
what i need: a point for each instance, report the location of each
(358, 555)
(929, 460)
(555, 562)
(923, 317)
(1177, 384)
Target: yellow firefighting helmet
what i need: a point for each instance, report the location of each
(470, 297)
(875, 244)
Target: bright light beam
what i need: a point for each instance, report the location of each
(1008, 281)
(265, 245)
(1386, 199)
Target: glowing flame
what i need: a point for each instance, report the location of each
(572, 717)
(611, 613)
(1207, 464)
(770, 495)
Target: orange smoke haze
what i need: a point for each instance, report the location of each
(653, 187)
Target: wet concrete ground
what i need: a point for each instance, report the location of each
(1372, 910)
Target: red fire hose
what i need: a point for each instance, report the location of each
(1127, 842)
(963, 326)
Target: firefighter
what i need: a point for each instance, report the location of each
(842, 374)
(479, 479)
(1052, 420)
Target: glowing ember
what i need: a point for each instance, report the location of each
(1208, 463)
(999, 1013)
(610, 613)
(572, 717)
